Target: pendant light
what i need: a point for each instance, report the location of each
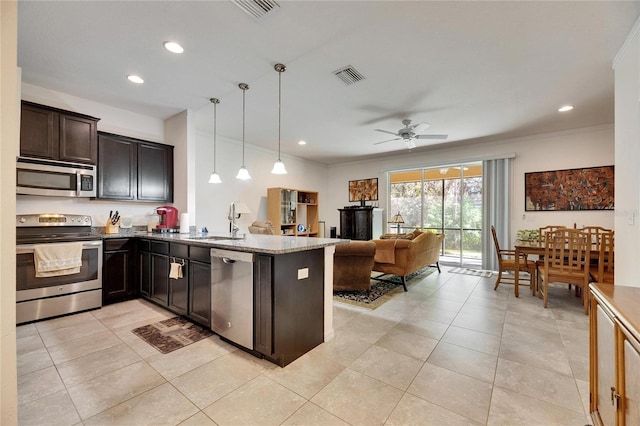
(278, 166)
(243, 173)
(214, 178)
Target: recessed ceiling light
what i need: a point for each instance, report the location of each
(174, 47)
(565, 108)
(135, 79)
(302, 142)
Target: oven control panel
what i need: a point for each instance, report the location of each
(52, 220)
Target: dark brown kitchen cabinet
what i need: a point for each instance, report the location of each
(56, 134)
(118, 270)
(200, 292)
(144, 264)
(159, 267)
(190, 295)
(179, 287)
(133, 169)
(356, 223)
(155, 172)
(117, 162)
(289, 310)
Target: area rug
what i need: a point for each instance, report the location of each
(381, 291)
(171, 334)
(474, 272)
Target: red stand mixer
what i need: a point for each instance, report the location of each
(168, 219)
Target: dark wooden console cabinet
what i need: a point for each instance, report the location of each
(56, 134)
(356, 223)
(134, 170)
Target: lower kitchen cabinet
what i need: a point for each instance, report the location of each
(179, 287)
(118, 270)
(189, 296)
(144, 263)
(200, 292)
(289, 310)
(160, 272)
(614, 323)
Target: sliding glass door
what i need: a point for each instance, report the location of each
(445, 200)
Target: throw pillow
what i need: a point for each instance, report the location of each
(416, 232)
(408, 236)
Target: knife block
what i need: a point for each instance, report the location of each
(111, 228)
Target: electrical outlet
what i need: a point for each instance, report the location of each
(303, 273)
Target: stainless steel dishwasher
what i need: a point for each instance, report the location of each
(232, 295)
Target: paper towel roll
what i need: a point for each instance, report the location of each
(184, 223)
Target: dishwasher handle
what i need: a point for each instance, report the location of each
(231, 256)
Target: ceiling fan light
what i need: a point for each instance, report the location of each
(243, 174)
(278, 168)
(214, 178)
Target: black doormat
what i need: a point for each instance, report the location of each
(171, 334)
(381, 291)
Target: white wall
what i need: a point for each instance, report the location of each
(113, 120)
(212, 200)
(627, 128)
(566, 150)
(9, 136)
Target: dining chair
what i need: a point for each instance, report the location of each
(542, 231)
(594, 235)
(507, 262)
(566, 260)
(603, 271)
(542, 235)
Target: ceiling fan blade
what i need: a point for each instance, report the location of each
(420, 127)
(410, 143)
(388, 140)
(431, 136)
(386, 131)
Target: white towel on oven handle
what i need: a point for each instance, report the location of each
(54, 259)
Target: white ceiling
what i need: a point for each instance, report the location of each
(473, 70)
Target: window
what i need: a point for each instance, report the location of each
(445, 200)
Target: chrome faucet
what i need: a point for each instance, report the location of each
(233, 227)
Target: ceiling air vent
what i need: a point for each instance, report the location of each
(348, 75)
(257, 9)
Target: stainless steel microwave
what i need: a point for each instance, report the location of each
(55, 178)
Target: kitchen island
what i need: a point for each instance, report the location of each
(292, 289)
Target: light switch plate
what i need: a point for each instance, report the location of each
(303, 273)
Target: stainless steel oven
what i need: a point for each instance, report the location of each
(44, 297)
(55, 178)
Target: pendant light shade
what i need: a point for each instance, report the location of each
(214, 178)
(278, 167)
(243, 173)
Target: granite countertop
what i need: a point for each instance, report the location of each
(254, 243)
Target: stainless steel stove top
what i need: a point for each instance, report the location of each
(53, 227)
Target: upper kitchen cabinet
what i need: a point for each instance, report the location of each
(56, 134)
(134, 170)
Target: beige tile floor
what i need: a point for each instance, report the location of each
(450, 351)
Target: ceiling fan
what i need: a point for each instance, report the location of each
(410, 132)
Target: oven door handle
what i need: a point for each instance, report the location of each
(28, 248)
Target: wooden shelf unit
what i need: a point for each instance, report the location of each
(287, 208)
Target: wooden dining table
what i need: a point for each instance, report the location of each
(528, 248)
(536, 248)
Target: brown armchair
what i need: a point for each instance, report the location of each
(402, 257)
(352, 263)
